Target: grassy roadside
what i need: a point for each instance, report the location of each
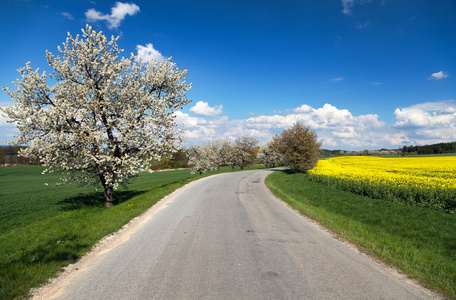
(418, 241)
(43, 229)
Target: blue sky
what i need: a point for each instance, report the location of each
(364, 74)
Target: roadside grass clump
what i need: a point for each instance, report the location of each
(45, 228)
(418, 241)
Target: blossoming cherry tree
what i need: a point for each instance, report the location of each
(103, 118)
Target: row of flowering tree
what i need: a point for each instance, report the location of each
(211, 156)
(269, 156)
(297, 147)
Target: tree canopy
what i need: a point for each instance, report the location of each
(104, 118)
(298, 147)
(269, 156)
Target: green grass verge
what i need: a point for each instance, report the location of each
(420, 242)
(45, 228)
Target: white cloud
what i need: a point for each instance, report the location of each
(330, 115)
(441, 107)
(334, 127)
(203, 109)
(198, 129)
(411, 117)
(67, 15)
(336, 79)
(427, 123)
(348, 8)
(303, 109)
(424, 123)
(347, 5)
(118, 13)
(190, 122)
(438, 75)
(3, 118)
(363, 25)
(431, 115)
(148, 53)
(7, 130)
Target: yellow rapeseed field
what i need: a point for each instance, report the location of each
(424, 181)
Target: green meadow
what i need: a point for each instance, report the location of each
(45, 228)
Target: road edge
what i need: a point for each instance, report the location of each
(52, 287)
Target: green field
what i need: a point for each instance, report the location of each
(44, 228)
(419, 241)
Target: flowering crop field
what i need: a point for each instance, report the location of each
(423, 181)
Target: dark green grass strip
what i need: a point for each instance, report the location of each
(420, 242)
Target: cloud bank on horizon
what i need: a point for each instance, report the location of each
(420, 124)
(426, 123)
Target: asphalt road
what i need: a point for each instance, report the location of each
(228, 237)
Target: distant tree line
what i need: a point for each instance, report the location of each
(178, 160)
(381, 152)
(9, 157)
(439, 148)
(296, 147)
(430, 149)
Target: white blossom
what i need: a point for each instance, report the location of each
(268, 156)
(105, 118)
(244, 151)
(222, 152)
(205, 158)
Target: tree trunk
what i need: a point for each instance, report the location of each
(109, 196)
(108, 191)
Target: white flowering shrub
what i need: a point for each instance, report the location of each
(228, 153)
(104, 118)
(268, 156)
(204, 158)
(245, 151)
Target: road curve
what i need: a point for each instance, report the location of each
(228, 237)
